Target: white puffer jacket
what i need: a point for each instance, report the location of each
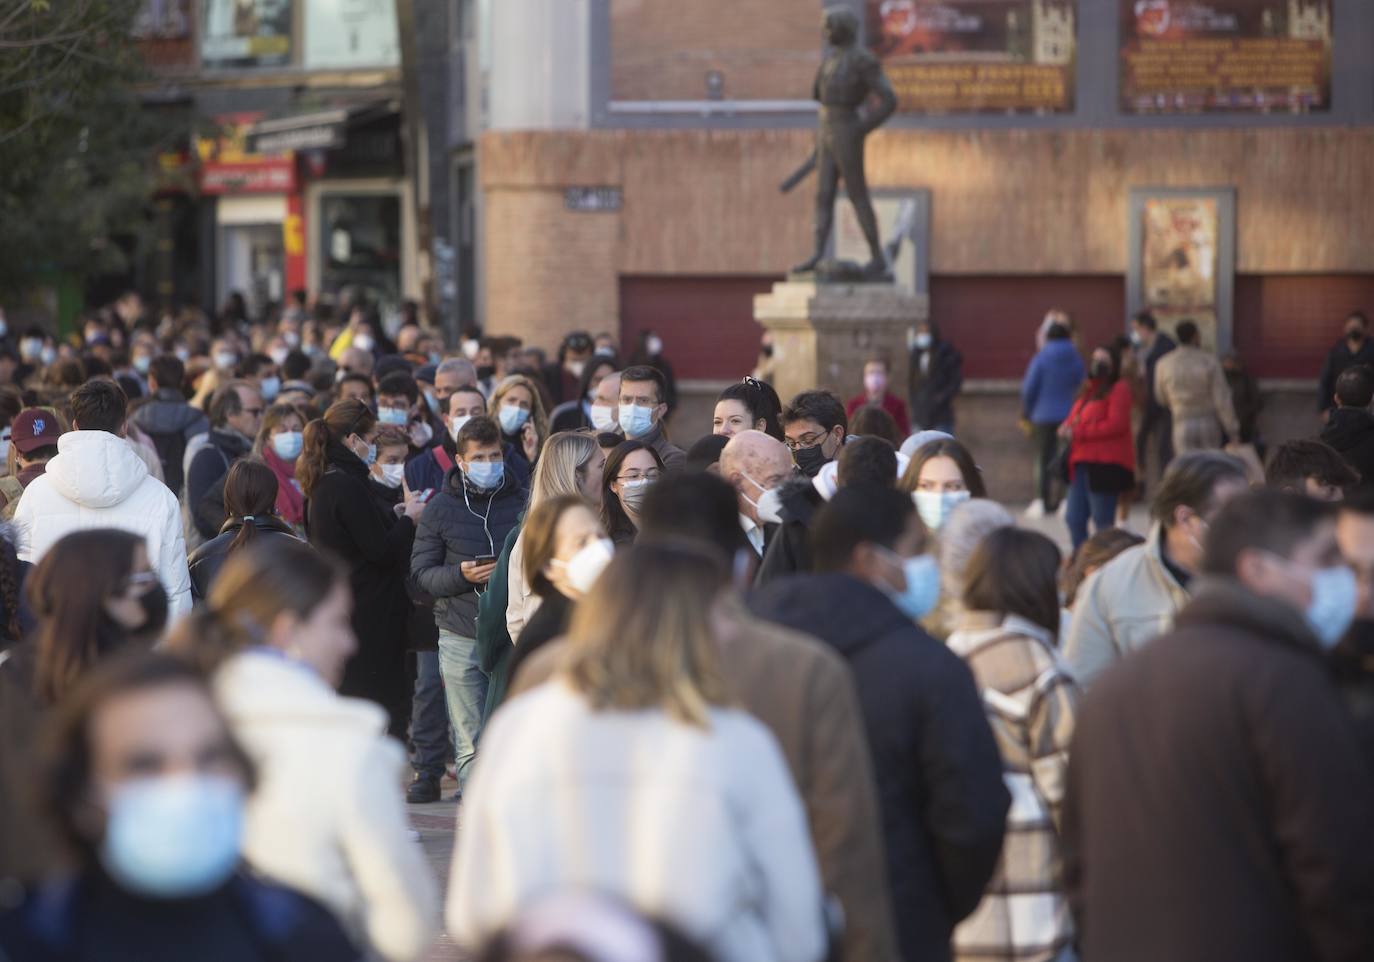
(97, 480)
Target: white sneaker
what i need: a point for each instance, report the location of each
(1036, 511)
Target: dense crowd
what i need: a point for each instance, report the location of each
(788, 685)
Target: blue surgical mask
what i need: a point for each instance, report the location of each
(922, 592)
(1335, 595)
(433, 403)
(636, 420)
(934, 506)
(270, 388)
(485, 475)
(173, 836)
(513, 418)
(142, 362)
(288, 444)
(370, 458)
(397, 416)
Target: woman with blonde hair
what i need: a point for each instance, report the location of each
(327, 818)
(679, 803)
(517, 406)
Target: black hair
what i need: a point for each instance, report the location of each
(296, 366)
(1187, 332)
(1296, 461)
(255, 363)
(226, 402)
(168, 371)
(1263, 520)
(400, 383)
(1191, 481)
(706, 452)
(867, 460)
(479, 430)
(1056, 332)
(594, 364)
(99, 406)
(1146, 320)
(822, 407)
(644, 372)
(613, 517)
(693, 507)
(858, 514)
(1355, 386)
(353, 378)
(760, 400)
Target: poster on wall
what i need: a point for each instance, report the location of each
(246, 33)
(351, 33)
(164, 32)
(1183, 260)
(977, 56)
(1225, 56)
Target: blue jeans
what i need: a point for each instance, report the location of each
(429, 717)
(1083, 502)
(465, 689)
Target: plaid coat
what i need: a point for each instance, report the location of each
(1031, 702)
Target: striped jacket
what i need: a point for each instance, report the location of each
(1031, 702)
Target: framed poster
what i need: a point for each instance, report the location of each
(351, 33)
(246, 33)
(1225, 56)
(903, 227)
(1183, 259)
(977, 56)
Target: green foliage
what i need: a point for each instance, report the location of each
(77, 149)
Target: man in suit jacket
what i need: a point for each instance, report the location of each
(755, 465)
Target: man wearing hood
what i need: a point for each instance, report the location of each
(1218, 806)
(939, 775)
(96, 480)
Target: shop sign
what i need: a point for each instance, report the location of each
(228, 167)
(592, 200)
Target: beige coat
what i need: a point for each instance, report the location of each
(1191, 384)
(802, 691)
(522, 603)
(1128, 602)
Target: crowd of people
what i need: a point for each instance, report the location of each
(788, 685)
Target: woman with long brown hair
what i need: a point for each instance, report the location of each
(326, 818)
(346, 518)
(678, 803)
(250, 504)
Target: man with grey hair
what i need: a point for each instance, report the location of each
(1133, 598)
(755, 465)
(355, 360)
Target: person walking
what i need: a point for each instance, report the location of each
(939, 775)
(935, 379)
(665, 808)
(1191, 386)
(344, 517)
(1152, 344)
(1239, 822)
(454, 556)
(1354, 348)
(97, 481)
(1101, 456)
(326, 818)
(168, 419)
(1047, 395)
(1007, 638)
(146, 787)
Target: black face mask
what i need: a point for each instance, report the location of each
(1355, 336)
(485, 372)
(810, 460)
(154, 604)
(767, 350)
(1101, 370)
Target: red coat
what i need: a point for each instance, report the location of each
(1102, 428)
(892, 404)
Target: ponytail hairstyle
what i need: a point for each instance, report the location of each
(250, 494)
(760, 400)
(349, 416)
(271, 577)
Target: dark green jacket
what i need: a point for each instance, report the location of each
(494, 645)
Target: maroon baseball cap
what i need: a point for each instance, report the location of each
(34, 428)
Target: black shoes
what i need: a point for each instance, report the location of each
(423, 790)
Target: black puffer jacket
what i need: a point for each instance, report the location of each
(207, 560)
(171, 423)
(458, 525)
(937, 767)
(1351, 432)
(787, 551)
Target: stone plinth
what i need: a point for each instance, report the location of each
(823, 333)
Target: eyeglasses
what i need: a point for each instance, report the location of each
(652, 474)
(805, 441)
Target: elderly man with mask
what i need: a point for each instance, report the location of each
(756, 465)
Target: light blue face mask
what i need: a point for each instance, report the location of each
(142, 362)
(288, 444)
(934, 506)
(396, 416)
(371, 457)
(270, 387)
(636, 420)
(513, 418)
(922, 592)
(433, 403)
(1335, 595)
(173, 837)
(485, 475)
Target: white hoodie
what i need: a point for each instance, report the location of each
(328, 817)
(97, 480)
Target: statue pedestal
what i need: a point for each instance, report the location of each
(823, 334)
